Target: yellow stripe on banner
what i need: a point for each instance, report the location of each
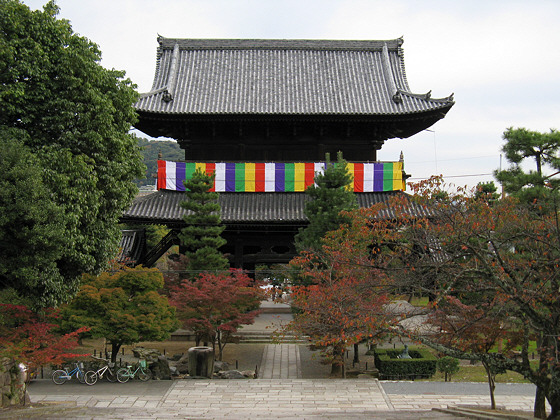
(350, 170)
(398, 183)
(249, 177)
(299, 176)
(200, 166)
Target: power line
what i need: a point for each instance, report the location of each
(455, 176)
(408, 162)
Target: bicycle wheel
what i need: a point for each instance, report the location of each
(81, 377)
(144, 374)
(110, 375)
(123, 375)
(59, 377)
(90, 377)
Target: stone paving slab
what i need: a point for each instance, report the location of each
(281, 361)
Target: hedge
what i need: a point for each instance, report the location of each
(422, 364)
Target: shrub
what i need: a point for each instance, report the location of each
(421, 365)
(449, 366)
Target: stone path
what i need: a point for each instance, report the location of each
(259, 399)
(281, 361)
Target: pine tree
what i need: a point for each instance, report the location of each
(201, 237)
(542, 148)
(329, 196)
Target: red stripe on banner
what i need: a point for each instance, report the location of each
(309, 174)
(259, 177)
(161, 174)
(210, 169)
(358, 177)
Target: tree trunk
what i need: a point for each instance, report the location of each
(337, 367)
(539, 409)
(553, 395)
(356, 359)
(491, 385)
(220, 346)
(115, 347)
(554, 401)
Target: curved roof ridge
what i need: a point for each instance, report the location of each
(279, 44)
(389, 78)
(428, 96)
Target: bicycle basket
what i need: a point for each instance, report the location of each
(111, 364)
(142, 363)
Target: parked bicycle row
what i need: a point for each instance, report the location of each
(108, 371)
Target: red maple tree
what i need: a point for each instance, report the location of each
(500, 261)
(343, 292)
(216, 304)
(477, 329)
(28, 337)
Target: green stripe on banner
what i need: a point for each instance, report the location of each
(289, 177)
(387, 176)
(239, 177)
(190, 169)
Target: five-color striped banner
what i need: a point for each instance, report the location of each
(278, 177)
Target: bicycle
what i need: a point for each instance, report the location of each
(92, 376)
(62, 375)
(142, 371)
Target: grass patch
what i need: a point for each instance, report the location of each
(478, 374)
(245, 355)
(421, 301)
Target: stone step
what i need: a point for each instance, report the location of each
(268, 338)
(276, 309)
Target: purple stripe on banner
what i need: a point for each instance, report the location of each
(279, 178)
(377, 177)
(230, 177)
(180, 175)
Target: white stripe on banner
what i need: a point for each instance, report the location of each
(170, 175)
(220, 180)
(368, 177)
(269, 177)
(319, 168)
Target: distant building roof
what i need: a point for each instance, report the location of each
(283, 77)
(242, 208)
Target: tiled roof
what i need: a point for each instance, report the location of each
(285, 208)
(132, 245)
(283, 77)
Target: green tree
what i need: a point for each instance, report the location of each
(329, 196)
(486, 191)
(448, 366)
(201, 237)
(122, 306)
(74, 115)
(521, 146)
(151, 149)
(31, 226)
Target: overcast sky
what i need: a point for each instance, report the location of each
(500, 58)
